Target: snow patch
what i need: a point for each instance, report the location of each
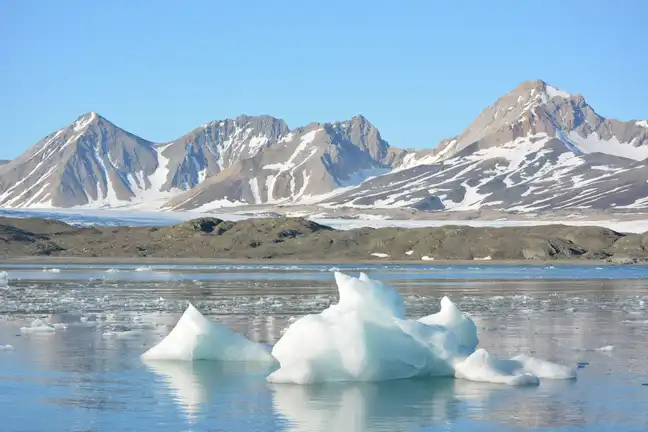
(642, 123)
(594, 144)
(553, 92)
(380, 255)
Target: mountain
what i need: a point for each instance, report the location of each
(536, 148)
(91, 162)
(303, 165)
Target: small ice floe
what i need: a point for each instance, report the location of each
(39, 326)
(51, 270)
(143, 269)
(112, 270)
(6, 347)
(606, 348)
(196, 338)
(380, 255)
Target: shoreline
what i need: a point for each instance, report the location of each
(224, 261)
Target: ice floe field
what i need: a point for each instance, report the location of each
(313, 348)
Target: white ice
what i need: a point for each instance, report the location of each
(4, 278)
(364, 337)
(51, 270)
(196, 338)
(39, 326)
(6, 347)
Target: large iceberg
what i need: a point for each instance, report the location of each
(364, 337)
(196, 338)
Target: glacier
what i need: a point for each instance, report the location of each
(365, 337)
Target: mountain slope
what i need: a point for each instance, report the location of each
(535, 107)
(91, 162)
(536, 148)
(303, 164)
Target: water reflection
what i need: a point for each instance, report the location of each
(219, 385)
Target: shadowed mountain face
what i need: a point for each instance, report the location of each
(536, 148)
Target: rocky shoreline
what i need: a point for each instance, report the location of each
(301, 240)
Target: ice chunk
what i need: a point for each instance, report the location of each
(481, 366)
(362, 338)
(51, 270)
(6, 347)
(38, 326)
(365, 337)
(144, 269)
(542, 368)
(454, 320)
(196, 338)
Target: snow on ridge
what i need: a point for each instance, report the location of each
(594, 144)
(642, 123)
(553, 92)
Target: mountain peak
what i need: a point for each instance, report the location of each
(85, 120)
(540, 87)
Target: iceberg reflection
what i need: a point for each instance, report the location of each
(387, 405)
(195, 385)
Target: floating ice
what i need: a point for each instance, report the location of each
(38, 326)
(6, 347)
(481, 366)
(365, 337)
(112, 270)
(196, 338)
(454, 320)
(51, 270)
(144, 269)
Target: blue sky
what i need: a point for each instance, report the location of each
(419, 70)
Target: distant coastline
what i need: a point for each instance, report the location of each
(298, 240)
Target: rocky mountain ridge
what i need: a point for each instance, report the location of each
(535, 148)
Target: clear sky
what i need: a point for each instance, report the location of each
(419, 70)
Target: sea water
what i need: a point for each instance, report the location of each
(86, 373)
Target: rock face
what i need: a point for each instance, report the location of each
(300, 239)
(91, 162)
(300, 166)
(536, 148)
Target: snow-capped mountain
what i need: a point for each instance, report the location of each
(303, 165)
(91, 162)
(535, 148)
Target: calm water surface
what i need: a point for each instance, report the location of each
(89, 377)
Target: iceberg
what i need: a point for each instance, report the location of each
(4, 278)
(196, 338)
(365, 337)
(38, 326)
